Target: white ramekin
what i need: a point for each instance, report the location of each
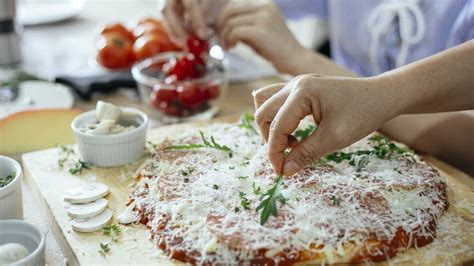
(26, 234)
(111, 150)
(11, 201)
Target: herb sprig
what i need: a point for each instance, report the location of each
(79, 166)
(205, 144)
(301, 134)
(268, 203)
(65, 153)
(7, 180)
(246, 121)
(114, 231)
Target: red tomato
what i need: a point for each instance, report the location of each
(115, 51)
(197, 46)
(117, 27)
(146, 46)
(171, 109)
(190, 96)
(149, 20)
(211, 92)
(164, 95)
(149, 29)
(189, 66)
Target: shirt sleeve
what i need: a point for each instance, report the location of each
(463, 28)
(297, 9)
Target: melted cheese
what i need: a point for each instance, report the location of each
(379, 200)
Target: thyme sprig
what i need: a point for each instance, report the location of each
(113, 231)
(268, 200)
(65, 153)
(246, 121)
(205, 144)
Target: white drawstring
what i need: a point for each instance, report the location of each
(379, 23)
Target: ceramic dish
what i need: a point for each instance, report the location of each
(11, 201)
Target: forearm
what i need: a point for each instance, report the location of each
(439, 83)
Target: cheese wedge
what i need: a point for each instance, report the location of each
(92, 224)
(36, 129)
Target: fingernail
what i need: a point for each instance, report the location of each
(290, 168)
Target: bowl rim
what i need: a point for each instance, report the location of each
(18, 172)
(41, 245)
(76, 127)
(151, 81)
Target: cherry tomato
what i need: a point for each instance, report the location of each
(164, 95)
(149, 20)
(149, 29)
(211, 92)
(117, 27)
(146, 46)
(171, 109)
(197, 46)
(115, 51)
(190, 96)
(189, 66)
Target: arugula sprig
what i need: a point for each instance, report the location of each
(246, 121)
(114, 231)
(6, 180)
(268, 201)
(205, 144)
(301, 134)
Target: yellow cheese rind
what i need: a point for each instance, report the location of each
(36, 129)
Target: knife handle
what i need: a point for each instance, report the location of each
(86, 86)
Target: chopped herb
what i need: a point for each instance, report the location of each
(216, 187)
(396, 169)
(150, 147)
(205, 143)
(246, 163)
(231, 167)
(335, 200)
(269, 199)
(64, 153)
(79, 166)
(256, 190)
(246, 121)
(286, 152)
(7, 180)
(187, 171)
(301, 134)
(244, 201)
(362, 163)
(186, 180)
(244, 177)
(236, 209)
(104, 249)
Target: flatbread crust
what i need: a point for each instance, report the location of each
(334, 212)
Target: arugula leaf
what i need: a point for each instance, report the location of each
(246, 121)
(205, 143)
(269, 200)
(301, 134)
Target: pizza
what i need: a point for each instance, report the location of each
(209, 196)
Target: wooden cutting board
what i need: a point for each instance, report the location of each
(49, 183)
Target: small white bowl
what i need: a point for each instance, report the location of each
(26, 234)
(11, 201)
(111, 150)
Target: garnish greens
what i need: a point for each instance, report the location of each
(244, 201)
(301, 134)
(243, 177)
(114, 231)
(335, 200)
(216, 187)
(246, 121)
(79, 166)
(256, 190)
(383, 149)
(64, 153)
(205, 143)
(269, 200)
(7, 180)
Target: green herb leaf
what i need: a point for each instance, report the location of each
(335, 200)
(205, 143)
(256, 190)
(301, 134)
(244, 201)
(246, 121)
(79, 166)
(269, 200)
(104, 249)
(7, 180)
(216, 187)
(243, 177)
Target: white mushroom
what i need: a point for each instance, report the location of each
(107, 111)
(87, 210)
(92, 224)
(87, 194)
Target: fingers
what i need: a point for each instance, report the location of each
(233, 9)
(287, 119)
(174, 21)
(237, 28)
(263, 94)
(266, 112)
(193, 9)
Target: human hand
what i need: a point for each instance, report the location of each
(260, 25)
(345, 110)
(182, 17)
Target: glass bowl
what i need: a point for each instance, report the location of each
(173, 101)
